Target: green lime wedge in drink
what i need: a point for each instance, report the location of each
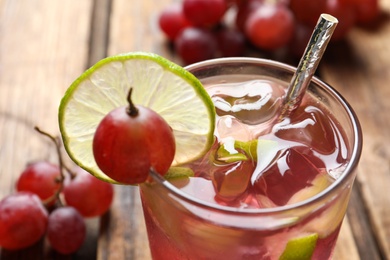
(159, 84)
(179, 173)
(300, 248)
(235, 150)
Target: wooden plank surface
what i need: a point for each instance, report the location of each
(359, 69)
(41, 52)
(45, 45)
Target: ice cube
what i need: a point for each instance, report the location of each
(231, 181)
(338, 171)
(292, 172)
(310, 127)
(320, 183)
(251, 102)
(230, 127)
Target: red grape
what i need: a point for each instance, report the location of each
(344, 13)
(204, 12)
(300, 40)
(195, 44)
(284, 2)
(172, 20)
(244, 10)
(66, 230)
(23, 220)
(308, 11)
(235, 2)
(230, 42)
(89, 195)
(366, 11)
(270, 27)
(41, 178)
(129, 141)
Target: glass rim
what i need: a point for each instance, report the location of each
(351, 166)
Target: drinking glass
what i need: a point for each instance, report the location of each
(182, 226)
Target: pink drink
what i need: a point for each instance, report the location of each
(267, 180)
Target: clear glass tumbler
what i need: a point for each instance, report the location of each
(183, 226)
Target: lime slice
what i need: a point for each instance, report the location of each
(227, 152)
(320, 183)
(157, 83)
(179, 173)
(331, 218)
(301, 248)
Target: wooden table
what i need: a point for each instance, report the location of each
(46, 44)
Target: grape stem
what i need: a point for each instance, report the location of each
(131, 110)
(62, 166)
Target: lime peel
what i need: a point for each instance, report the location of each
(301, 248)
(235, 150)
(179, 173)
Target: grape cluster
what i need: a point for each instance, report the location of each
(204, 29)
(50, 202)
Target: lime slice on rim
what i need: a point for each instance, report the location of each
(163, 86)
